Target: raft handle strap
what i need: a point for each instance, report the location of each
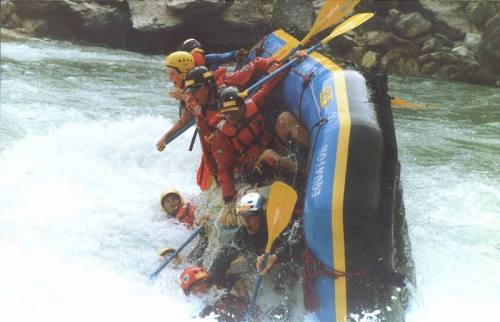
(191, 145)
(313, 268)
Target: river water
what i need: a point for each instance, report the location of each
(80, 180)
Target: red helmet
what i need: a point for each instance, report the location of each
(191, 275)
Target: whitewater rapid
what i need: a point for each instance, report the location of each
(80, 179)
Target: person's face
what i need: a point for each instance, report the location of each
(252, 224)
(201, 95)
(200, 288)
(174, 76)
(234, 117)
(171, 203)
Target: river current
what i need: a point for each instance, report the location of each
(80, 179)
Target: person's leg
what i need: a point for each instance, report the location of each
(288, 127)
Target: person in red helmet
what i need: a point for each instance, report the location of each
(211, 61)
(229, 307)
(194, 280)
(172, 203)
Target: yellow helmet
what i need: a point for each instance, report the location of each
(182, 61)
(168, 192)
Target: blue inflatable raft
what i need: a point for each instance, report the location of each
(353, 212)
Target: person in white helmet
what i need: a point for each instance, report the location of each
(250, 241)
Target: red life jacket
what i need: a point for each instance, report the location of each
(241, 78)
(198, 56)
(205, 131)
(185, 215)
(251, 137)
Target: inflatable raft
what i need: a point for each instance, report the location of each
(353, 212)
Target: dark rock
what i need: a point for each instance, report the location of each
(446, 41)
(409, 67)
(492, 22)
(392, 60)
(105, 22)
(452, 33)
(452, 72)
(430, 68)
(478, 12)
(472, 41)
(342, 44)
(149, 16)
(13, 21)
(294, 16)
(409, 45)
(440, 57)
(378, 40)
(102, 23)
(37, 27)
(194, 8)
(448, 14)
(358, 53)
(249, 14)
(394, 13)
(11, 35)
(489, 48)
(6, 8)
(432, 45)
(464, 54)
(370, 60)
(412, 25)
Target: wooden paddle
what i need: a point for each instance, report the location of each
(175, 253)
(344, 27)
(331, 13)
(398, 102)
(282, 199)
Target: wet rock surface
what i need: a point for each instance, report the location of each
(458, 40)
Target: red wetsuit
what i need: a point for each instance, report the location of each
(241, 78)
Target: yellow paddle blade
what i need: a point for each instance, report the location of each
(291, 43)
(398, 102)
(347, 25)
(331, 13)
(282, 199)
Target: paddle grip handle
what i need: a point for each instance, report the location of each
(174, 254)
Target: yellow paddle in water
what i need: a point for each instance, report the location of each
(398, 102)
(282, 199)
(331, 13)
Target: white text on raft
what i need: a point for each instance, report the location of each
(319, 171)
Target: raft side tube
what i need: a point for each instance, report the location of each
(349, 195)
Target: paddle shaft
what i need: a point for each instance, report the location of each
(258, 281)
(180, 131)
(289, 64)
(174, 254)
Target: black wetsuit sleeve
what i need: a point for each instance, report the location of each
(290, 243)
(226, 255)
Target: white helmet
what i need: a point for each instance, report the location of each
(252, 203)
